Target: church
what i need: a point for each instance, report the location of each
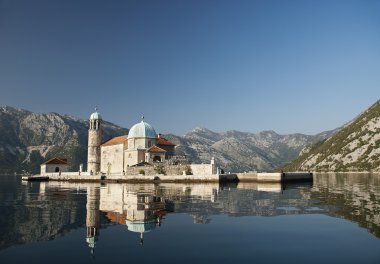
(141, 152)
(141, 146)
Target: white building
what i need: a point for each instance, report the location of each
(54, 165)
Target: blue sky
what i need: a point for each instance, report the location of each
(286, 65)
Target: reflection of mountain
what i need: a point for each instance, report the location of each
(250, 200)
(45, 211)
(35, 211)
(356, 197)
(29, 216)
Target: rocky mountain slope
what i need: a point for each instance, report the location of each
(241, 151)
(356, 147)
(27, 139)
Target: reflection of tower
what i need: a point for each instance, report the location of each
(94, 141)
(92, 217)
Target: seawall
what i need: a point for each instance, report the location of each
(242, 177)
(143, 178)
(275, 177)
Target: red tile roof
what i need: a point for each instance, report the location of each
(116, 217)
(116, 140)
(122, 139)
(164, 141)
(56, 161)
(156, 149)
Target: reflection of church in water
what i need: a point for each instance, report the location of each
(140, 212)
(140, 208)
(145, 213)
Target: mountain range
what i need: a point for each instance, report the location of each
(27, 139)
(237, 151)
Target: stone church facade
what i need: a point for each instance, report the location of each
(142, 146)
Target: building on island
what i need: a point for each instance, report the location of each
(141, 146)
(141, 151)
(54, 165)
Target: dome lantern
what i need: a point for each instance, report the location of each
(95, 115)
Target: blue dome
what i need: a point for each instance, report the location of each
(142, 130)
(141, 226)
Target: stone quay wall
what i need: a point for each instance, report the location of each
(180, 169)
(157, 169)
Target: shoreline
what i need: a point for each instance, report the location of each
(232, 177)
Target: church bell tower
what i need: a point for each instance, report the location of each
(94, 141)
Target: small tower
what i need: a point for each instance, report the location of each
(94, 141)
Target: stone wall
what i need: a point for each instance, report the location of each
(196, 169)
(202, 169)
(150, 170)
(133, 157)
(247, 176)
(73, 176)
(112, 159)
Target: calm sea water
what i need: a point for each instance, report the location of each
(334, 220)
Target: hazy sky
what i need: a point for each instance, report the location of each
(289, 66)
